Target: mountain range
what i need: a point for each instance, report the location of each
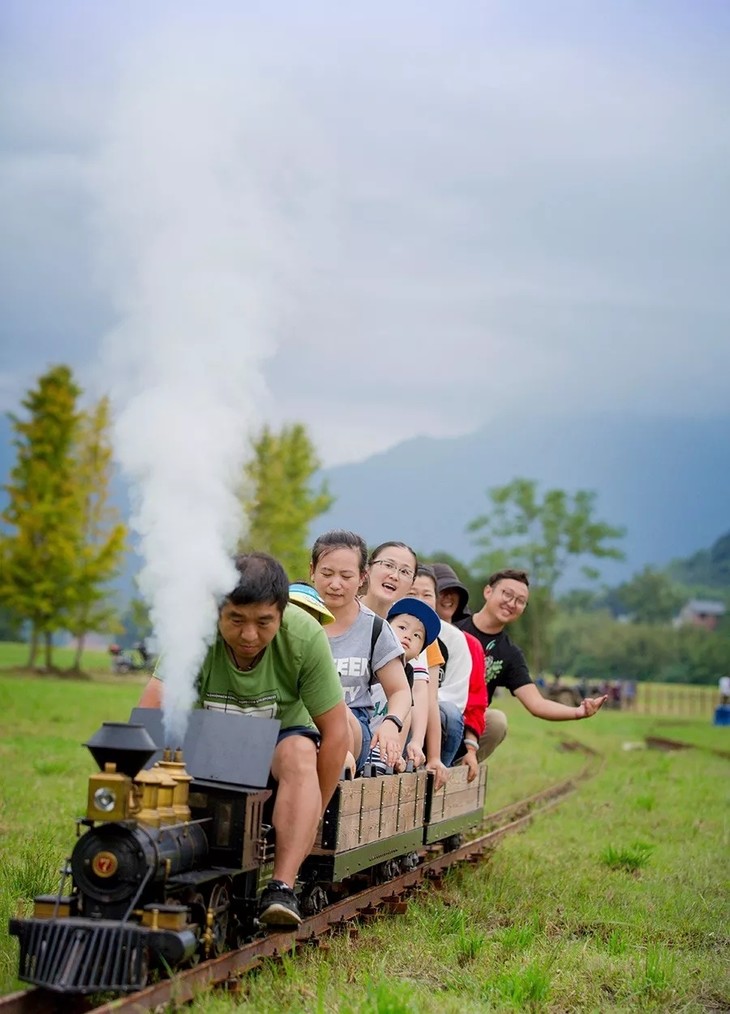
(665, 480)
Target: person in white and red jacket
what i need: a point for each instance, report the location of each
(462, 694)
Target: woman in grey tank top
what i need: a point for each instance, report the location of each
(338, 567)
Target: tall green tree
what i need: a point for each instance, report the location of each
(651, 597)
(39, 542)
(542, 535)
(280, 501)
(101, 534)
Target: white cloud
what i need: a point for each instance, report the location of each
(477, 202)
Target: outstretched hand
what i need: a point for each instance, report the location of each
(589, 706)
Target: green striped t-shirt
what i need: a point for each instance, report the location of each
(294, 681)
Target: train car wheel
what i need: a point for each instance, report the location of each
(313, 899)
(410, 862)
(386, 871)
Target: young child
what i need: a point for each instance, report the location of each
(416, 625)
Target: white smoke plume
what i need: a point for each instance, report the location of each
(197, 188)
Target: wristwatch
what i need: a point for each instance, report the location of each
(395, 720)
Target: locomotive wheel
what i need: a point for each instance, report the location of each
(144, 970)
(196, 903)
(220, 903)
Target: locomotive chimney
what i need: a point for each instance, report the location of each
(127, 745)
(120, 749)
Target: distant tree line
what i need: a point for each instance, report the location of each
(597, 646)
(708, 570)
(62, 544)
(625, 632)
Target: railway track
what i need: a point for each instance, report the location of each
(389, 897)
(669, 745)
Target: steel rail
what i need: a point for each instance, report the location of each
(661, 743)
(387, 897)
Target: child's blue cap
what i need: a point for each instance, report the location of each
(423, 612)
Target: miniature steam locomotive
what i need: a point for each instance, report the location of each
(168, 865)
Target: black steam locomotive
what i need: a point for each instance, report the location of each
(169, 865)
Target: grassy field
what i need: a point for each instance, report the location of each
(615, 901)
(14, 655)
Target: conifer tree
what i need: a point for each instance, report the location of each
(101, 534)
(37, 554)
(280, 504)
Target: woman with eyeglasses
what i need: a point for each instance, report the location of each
(361, 649)
(391, 568)
(391, 572)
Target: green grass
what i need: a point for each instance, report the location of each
(43, 721)
(14, 655)
(617, 900)
(630, 859)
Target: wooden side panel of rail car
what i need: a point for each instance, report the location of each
(368, 821)
(456, 806)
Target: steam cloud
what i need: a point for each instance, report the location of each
(198, 260)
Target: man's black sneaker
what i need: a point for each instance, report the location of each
(278, 905)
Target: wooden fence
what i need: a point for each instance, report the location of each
(667, 699)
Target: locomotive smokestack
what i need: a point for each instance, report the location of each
(127, 745)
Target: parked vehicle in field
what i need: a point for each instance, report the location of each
(135, 659)
(573, 693)
(563, 693)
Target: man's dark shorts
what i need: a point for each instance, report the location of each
(299, 730)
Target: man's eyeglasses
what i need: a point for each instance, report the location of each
(509, 597)
(393, 568)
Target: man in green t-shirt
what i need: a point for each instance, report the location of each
(276, 661)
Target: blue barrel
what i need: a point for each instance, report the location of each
(722, 715)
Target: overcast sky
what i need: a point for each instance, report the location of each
(412, 217)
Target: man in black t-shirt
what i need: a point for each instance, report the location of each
(505, 599)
